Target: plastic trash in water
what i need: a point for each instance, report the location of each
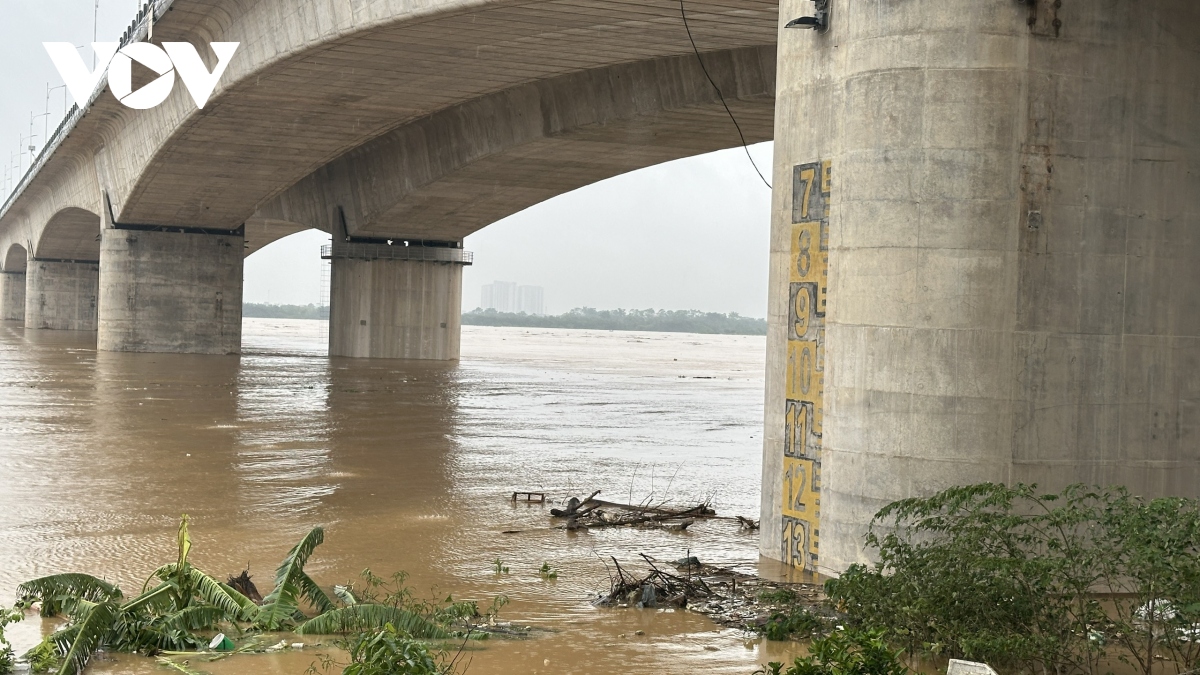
(221, 643)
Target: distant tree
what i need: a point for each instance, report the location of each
(662, 320)
(266, 311)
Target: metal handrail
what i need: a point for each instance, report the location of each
(138, 29)
(397, 252)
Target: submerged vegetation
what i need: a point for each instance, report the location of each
(383, 627)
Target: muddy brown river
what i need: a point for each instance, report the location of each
(408, 466)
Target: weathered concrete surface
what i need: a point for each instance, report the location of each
(170, 292)
(1012, 237)
(61, 295)
(447, 175)
(395, 309)
(12, 296)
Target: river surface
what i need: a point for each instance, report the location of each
(407, 465)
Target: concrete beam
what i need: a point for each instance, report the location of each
(167, 291)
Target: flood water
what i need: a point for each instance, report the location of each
(407, 465)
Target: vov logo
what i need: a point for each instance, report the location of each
(167, 60)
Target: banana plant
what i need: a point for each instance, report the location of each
(163, 617)
(281, 608)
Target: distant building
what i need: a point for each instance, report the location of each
(500, 296)
(506, 296)
(530, 299)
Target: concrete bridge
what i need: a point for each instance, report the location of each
(984, 238)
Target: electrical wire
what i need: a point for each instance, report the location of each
(696, 50)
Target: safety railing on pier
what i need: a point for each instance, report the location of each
(398, 252)
(138, 30)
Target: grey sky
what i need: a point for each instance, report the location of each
(691, 234)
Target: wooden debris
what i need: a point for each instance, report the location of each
(531, 497)
(747, 524)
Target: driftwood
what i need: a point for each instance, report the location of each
(592, 512)
(242, 584)
(573, 507)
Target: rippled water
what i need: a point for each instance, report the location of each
(408, 466)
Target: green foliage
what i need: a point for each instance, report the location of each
(7, 660)
(547, 572)
(165, 617)
(796, 622)
(44, 657)
(499, 567)
(388, 651)
(58, 591)
(281, 608)
(677, 321)
(269, 311)
(845, 653)
(1012, 577)
(779, 595)
(364, 617)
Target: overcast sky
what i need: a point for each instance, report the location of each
(691, 234)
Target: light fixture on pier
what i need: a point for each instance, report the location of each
(818, 22)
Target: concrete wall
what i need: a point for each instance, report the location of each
(12, 296)
(61, 295)
(170, 292)
(1012, 237)
(395, 309)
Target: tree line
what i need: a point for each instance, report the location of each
(660, 320)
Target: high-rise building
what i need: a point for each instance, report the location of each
(530, 299)
(500, 296)
(506, 296)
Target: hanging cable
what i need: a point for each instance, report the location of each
(721, 96)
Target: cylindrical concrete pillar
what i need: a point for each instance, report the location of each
(395, 309)
(984, 250)
(12, 296)
(61, 295)
(177, 292)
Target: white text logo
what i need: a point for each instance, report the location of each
(167, 60)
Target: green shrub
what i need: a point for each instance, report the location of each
(845, 653)
(1007, 576)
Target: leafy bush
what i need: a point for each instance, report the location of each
(7, 659)
(388, 651)
(797, 621)
(845, 653)
(1009, 576)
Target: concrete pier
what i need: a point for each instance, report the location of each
(984, 254)
(12, 296)
(61, 295)
(170, 291)
(396, 302)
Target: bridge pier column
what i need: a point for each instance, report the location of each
(984, 243)
(174, 290)
(396, 302)
(12, 296)
(61, 295)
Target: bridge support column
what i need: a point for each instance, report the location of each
(984, 248)
(12, 296)
(396, 302)
(61, 295)
(170, 291)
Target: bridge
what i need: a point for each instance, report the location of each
(984, 235)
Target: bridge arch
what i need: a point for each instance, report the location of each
(16, 258)
(451, 173)
(72, 234)
(366, 73)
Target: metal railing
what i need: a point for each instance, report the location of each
(398, 252)
(138, 29)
